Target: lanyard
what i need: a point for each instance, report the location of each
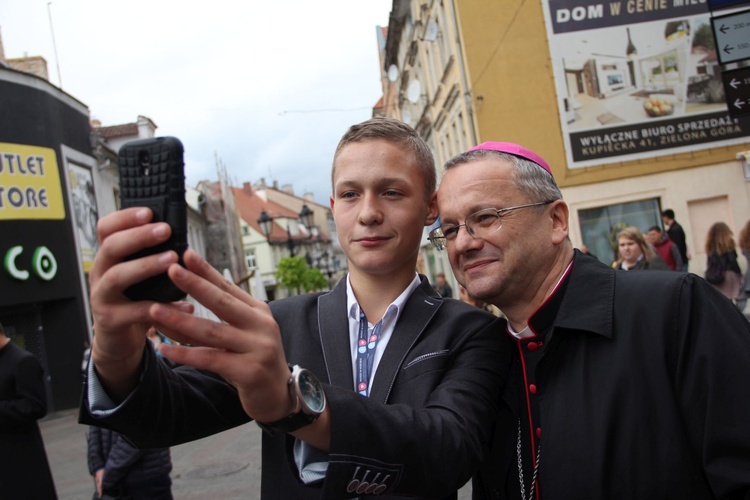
(366, 352)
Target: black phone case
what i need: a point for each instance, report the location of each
(152, 175)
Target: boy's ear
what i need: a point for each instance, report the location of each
(432, 210)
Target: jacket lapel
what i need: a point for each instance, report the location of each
(333, 324)
(420, 307)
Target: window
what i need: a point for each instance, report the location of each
(600, 226)
(250, 258)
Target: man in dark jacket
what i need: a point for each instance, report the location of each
(624, 385)
(122, 471)
(24, 469)
(677, 235)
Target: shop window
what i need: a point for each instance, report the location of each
(600, 225)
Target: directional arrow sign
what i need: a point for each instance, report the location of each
(732, 34)
(737, 90)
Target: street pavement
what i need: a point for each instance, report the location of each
(225, 465)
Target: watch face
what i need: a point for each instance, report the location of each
(311, 392)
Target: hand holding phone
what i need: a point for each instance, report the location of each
(152, 175)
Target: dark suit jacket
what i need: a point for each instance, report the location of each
(439, 378)
(24, 469)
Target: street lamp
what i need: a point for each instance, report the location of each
(266, 226)
(307, 216)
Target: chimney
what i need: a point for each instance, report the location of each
(35, 65)
(247, 188)
(288, 188)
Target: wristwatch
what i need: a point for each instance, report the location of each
(310, 401)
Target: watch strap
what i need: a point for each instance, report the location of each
(295, 420)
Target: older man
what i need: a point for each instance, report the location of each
(624, 385)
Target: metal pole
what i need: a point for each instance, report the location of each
(54, 44)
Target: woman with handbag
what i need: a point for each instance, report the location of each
(722, 269)
(744, 243)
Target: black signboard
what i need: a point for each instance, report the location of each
(737, 91)
(725, 4)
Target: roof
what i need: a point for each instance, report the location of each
(118, 130)
(250, 205)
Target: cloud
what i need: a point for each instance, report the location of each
(268, 87)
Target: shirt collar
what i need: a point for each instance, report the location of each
(528, 331)
(393, 309)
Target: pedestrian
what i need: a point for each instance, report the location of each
(665, 248)
(677, 235)
(408, 381)
(744, 244)
(122, 471)
(442, 287)
(464, 296)
(634, 253)
(585, 251)
(24, 468)
(722, 269)
(623, 385)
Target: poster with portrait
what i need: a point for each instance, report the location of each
(85, 212)
(636, 78)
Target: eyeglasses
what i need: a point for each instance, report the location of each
(479, 225)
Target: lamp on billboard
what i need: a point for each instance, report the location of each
(631, 51)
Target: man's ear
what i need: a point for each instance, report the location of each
(559, 215)
(432, 210)
(331, 202)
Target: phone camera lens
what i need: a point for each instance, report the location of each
(144, 160)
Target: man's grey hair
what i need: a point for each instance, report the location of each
(530, 179)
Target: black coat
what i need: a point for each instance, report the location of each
(439, 378)
(677, 235)
(640, 391)
(24, 469)
(126, 468)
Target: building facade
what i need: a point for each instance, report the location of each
(287, 236)
(626, 106)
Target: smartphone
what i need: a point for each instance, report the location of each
(152, 174)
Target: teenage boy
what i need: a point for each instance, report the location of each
(409, 380)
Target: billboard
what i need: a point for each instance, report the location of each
(636, 78)
(38, 248)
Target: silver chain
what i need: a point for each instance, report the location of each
(520, 466)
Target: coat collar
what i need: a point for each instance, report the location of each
(588, 301)
(418, 310)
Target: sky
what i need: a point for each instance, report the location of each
(267, 87)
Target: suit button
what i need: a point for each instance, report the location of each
(532, 346)
(532, 388)
(539, 432)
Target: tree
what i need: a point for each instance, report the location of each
(314, 280)
(294, 273)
